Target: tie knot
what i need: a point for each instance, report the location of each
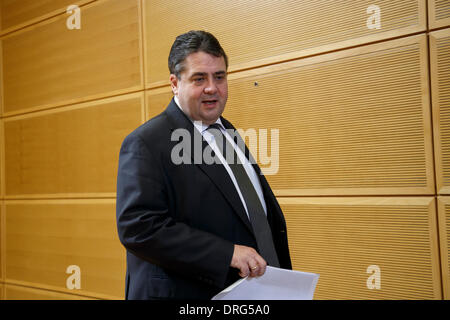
(214, 126)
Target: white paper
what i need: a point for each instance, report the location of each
(274, 284)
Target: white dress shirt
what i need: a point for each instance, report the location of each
(209, 137)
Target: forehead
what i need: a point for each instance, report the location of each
(204, 62)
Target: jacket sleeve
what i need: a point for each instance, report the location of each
(147, 229)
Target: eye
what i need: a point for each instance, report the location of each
(199, 79)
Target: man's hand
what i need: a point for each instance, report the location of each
(248, 261)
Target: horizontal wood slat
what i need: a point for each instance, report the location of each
(440, 75)
(2, 160)
(157, 101)
(254, 33)
(16, 14)
(444, 234)
(1, 80)
(439, 13)
(69, 150)
(339, 238)
(102, 58)
(17, 292)
(44, 238)
(2, 242)
(352, 122)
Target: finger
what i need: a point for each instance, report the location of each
(261, 266)
(261, 270)
(254, 270)
(245, 271)
(243, 275)
(257, 266)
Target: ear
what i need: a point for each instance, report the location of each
(174, 84)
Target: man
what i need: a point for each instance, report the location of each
(190, 228)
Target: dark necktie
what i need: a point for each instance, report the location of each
(258, 219)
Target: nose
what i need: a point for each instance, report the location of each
(210, 87)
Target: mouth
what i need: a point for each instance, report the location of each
(210, 102)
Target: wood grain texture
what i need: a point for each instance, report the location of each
(2, 242)
(438, 13)
(72, 150)
(18, 292)
(101, 59)
(15, 14)
(44, 237)
(339, 238)
(255, 33)
(2, 159)
(444, 235)
(350, 122)
(157, 101)
(1, 79)
(440, 88)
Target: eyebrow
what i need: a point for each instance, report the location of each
(204, 73)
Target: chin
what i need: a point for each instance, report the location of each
(212, 115)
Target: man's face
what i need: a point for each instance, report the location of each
(202, 87)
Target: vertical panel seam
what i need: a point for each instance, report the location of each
(144, 113)
(430, 97)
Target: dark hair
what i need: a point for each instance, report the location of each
(191, 42)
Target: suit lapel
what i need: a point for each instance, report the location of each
(216, 172)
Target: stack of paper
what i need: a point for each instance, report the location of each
(274, 284)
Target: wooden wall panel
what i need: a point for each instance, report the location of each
(14, 292)
(43, 238)
(440, 75)
(71, 150)
(102, 58)
(2, 159)
(2, 293)
(1, 78)
(157, 101)
(439, 13)
(264, 31)
(444, 234)
(351, 122)
(15, 14)
(339, 238)
(2, 242)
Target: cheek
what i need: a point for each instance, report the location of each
(196, 94)
(224, 95)
(224, 91)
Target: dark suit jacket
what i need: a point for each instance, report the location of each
(179, 223)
